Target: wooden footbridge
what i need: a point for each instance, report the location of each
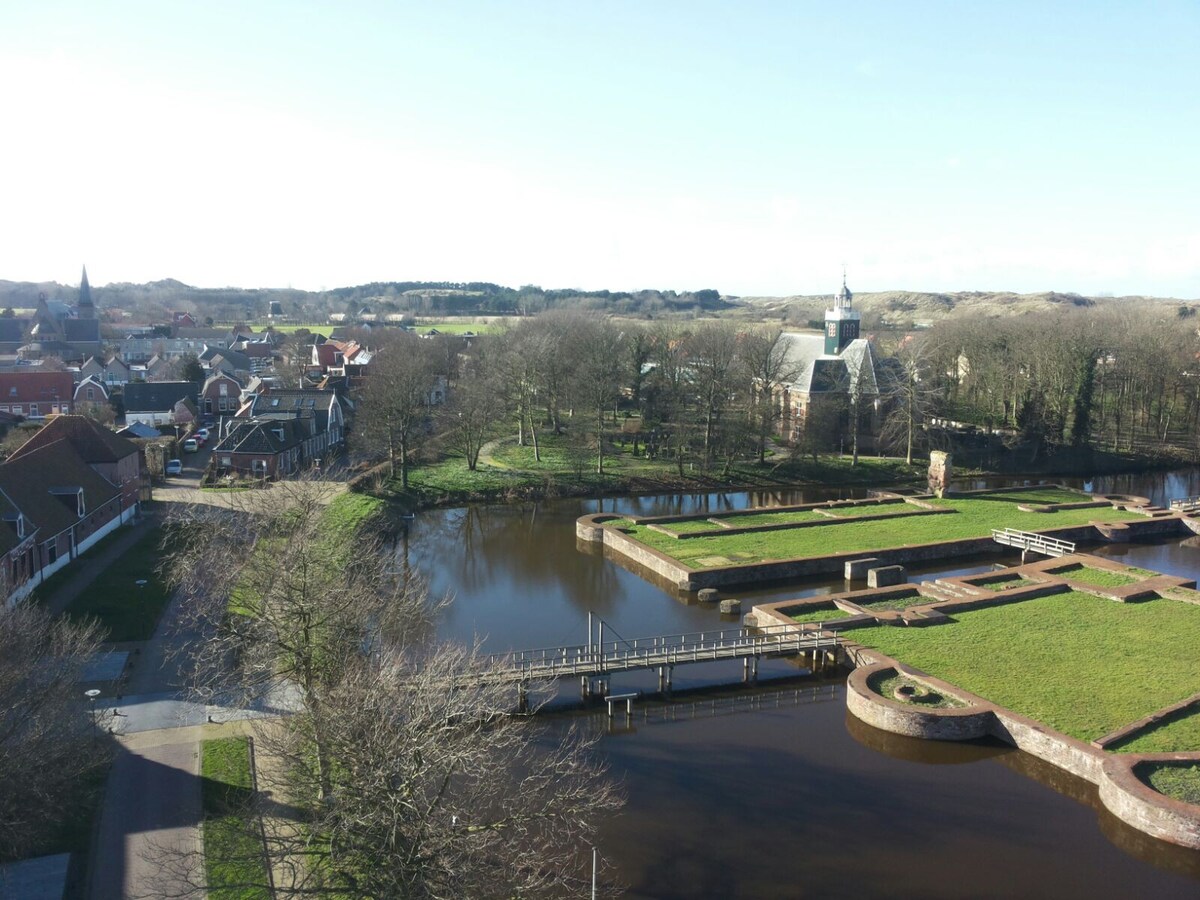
(1032, 542)
(600, 658)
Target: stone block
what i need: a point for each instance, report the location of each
(708, 595)
(941, 470)
(731, 606)
(885, 576)
(857, 568)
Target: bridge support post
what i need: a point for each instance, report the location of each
(750, 670)
(664, 679)
(585, 688)
(522, 697)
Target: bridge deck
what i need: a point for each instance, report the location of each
(649, 653)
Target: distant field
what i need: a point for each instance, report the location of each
(457, 327)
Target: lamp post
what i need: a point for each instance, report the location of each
(92, 694)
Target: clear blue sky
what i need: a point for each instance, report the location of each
(752, 147)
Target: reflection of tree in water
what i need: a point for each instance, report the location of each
(528, 547)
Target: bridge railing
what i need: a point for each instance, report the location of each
(659, 650)
(1185, 503)
(1029, 540)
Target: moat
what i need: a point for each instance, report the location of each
(776, 792)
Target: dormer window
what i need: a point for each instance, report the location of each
(72, 498)
(17, 521)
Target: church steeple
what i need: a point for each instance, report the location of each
(841, 322)
(85, 307)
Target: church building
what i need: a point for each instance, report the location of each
(832, 374)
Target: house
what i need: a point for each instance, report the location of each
(323, 407)
(112, 456)
(112, 371)
(160, 402)
(231, 362)
(220, 395)
(36, 395)
(264, 447)
(56, 506)
(183, 320)
(90, 390)
(831, 371)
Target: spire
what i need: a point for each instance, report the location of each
(86, 309)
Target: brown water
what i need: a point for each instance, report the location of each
(774, 792)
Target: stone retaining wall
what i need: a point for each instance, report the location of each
(1120, 789)
(1130, 799)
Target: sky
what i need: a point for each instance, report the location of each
(751, 147)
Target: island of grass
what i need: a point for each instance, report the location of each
(808, 615)
(968, 516)
(1082, 665)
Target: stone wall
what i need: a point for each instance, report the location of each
(1128, 798)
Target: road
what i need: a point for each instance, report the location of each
(148, 841)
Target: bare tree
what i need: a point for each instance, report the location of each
(596, 350)
(48, 744)
(910, 395)
(764, 358)
(396, 407)
(399, 771)
(475, 407)
(712, 358)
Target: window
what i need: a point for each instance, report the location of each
(225, 460)
(91, 393)
(224, 389)
(33, 409)
(51, 552)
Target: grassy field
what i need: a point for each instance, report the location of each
(886, 684)
(564, 470)
(457, 327)
(1180, 782)
(1094, 576)
(128, 610)
(974, 517)
(897, 602)
(1082, 665)
(1004, 583)
(1172, 737)
(233, 851)
(829, 614)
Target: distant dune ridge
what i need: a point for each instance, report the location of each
(889, 309)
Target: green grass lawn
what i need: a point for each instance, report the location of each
(1094, 576)
(885, 685)
(973, 517)
(1175, 736)
(1180, 782)
(128, 610)
(1082, 665)
(772, 518)
(1042, 496)
(897, 602)
(233, 851)
(827, 614)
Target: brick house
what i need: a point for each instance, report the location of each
(116, 459)
(55, 506)
(36, 395)
(220, 395)
(264, 448)
(159, 402)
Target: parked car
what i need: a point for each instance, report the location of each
(174, 467)
(191, 445)
(201, 434)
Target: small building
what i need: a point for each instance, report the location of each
(263, 448)
(90, 390)
(220, 395)
(36, 395)
(160, 402)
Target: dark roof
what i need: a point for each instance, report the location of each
(259, 436)
(13, 330)
(240, 361)
(157, 396)
(81, 331)
(28, 480)
(92, 441)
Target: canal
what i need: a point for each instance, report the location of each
(774, 792)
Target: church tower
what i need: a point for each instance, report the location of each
(842, 322)
(85, 308)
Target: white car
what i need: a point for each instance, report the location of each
(174, 467)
